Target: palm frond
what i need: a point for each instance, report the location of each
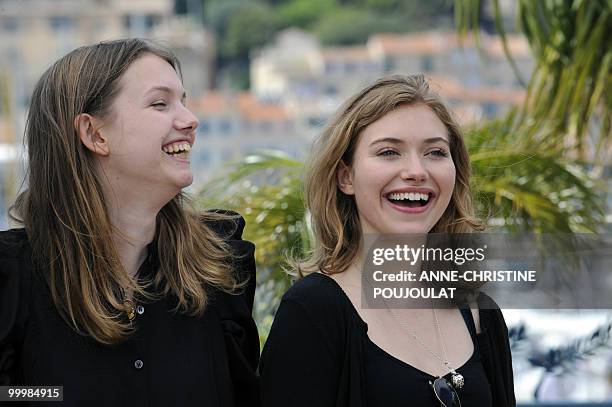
(529, 186)
(566, 91)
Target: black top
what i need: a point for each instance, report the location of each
(170, 360)
(402, 384)
(317, 351)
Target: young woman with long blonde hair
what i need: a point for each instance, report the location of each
(391, 162)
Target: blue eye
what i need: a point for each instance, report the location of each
(388, 152)
(439, 153)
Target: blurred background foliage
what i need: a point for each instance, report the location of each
(267, 190)
(242, 25)
(536, 169)
(568, 99)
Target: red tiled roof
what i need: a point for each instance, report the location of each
(242, 104)
(252, 109)
(436, 42)
(358, 53)
(210, 103)
(450, 88)
(409, 43)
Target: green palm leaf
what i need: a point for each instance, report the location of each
(266, 188)
(570, 43)
(521, 184)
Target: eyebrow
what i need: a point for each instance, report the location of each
(394, 140)
(167, 90)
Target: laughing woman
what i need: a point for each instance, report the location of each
(393, 141)
(113, 288)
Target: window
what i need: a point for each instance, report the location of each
(225, 126)
(265, 126)
(350, 67)
(10, 24)
(139, 24)
(373, 67)
(389, 64)
(204, 128)
(330, 90)
(62, 23)
(202, 158)
(151, 20)
(330, 67)
(489, 109)
(426, 63)
(315, 121)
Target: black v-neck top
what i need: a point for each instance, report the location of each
(318, 354)
(170, 360)
(391, 382)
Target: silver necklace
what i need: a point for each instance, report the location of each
(456, 378)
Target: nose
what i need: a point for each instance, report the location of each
(413, 170)
(186, 120)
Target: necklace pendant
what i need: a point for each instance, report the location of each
(130, 309)
(457, 380)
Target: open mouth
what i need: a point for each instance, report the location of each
(410, 199)
(180, 150)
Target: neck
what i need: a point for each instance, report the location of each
(132, 208)
(131, 238)
(134, 224)
(359, 278)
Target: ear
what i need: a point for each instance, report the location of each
(90, 135)
(344, 176)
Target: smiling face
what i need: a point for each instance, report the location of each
(401, 174)
(149, 131)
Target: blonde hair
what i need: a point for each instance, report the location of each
(334, 217)
(66, 217)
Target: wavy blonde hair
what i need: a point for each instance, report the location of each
(66, 217)
(334, 217)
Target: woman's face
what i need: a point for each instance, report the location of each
(150, 132)
(402, 174)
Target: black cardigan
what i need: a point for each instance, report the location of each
(171, 359)
(314, 353)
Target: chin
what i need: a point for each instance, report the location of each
(409, 228)
(185, 181)
(399, 229)
(412, 231)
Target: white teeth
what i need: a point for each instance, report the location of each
(411, 196)
(176, 148)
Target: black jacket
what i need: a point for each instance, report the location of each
(170, 360)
